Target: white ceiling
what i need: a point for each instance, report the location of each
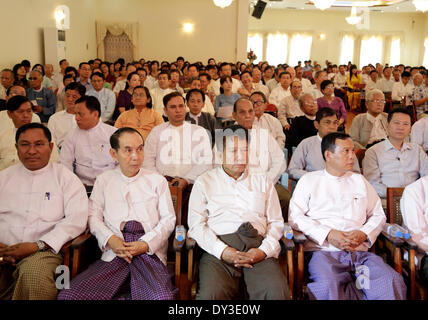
(396, 5)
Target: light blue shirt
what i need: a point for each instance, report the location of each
(107, 99)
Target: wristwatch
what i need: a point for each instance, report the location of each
(41, 245)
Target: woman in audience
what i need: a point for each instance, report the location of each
(20, 75)
(105, 68)
(124, 100)
(353, 79)
(330, 101)
(142, 118)
(226, 98)
(117, 71)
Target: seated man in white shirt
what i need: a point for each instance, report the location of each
(42, 206)
(369, 128)
(105, 96)
(341, 214)
(85, 150)
(402, 91)
(62, 122)
(319, 77)
(19, 110)
(160, 91)
(235, 217)
(419, 134)
(394, 163)
(282, 90)
(178, 150)
(132, 216)
(307, 157)
(372, 82)
(265, 120)
(289, 107)
(414, 208)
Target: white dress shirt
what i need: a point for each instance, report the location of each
(271, 84)
(208, 105)
(419, 133)
(107, 99)
(289, 108)
(144, 198)
(119, 86)
(269, 122)
(306, 85)
(150, 82)
(183, 151)
(219, 204)
(157, 95)
(370, 85)
(236, 84)
(385, 85)
(339, 80)
(322, 202)
(49, 204)
(8, 152)
(60, 124)
(414, 208)
(262, 88)
(88, 152)
(278, 94)
(308, 157)
(384, 166)
(400, 91)
(7, 123)
(315, 92)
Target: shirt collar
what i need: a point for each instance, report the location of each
(310, 117)
(129, 179)
(241, 177)
(37, 172)
(193, 116)
(389, 146)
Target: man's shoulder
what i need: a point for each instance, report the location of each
(108, 128)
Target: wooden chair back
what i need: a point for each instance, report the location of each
(393, 210)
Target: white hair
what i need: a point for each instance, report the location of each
(371, 93)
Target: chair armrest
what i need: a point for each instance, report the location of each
(178, 245)
(288, 243)
(190, 243)
(66, 246)
(409, 244)
(393, 240)
(80, 240)
(299, 237)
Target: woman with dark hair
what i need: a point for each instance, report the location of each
(142, 118)
(105, 69)
(226, 98)
(124, 99)
(47, 83)
(20, 75)
(353, 80)
(330, 101)
(117, 70)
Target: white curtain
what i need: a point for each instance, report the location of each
(371, 50)
(255, 43)
(276, 51)
(425, 62)
(347, 49)
(300, 48)
(395, 52)
(116, 29)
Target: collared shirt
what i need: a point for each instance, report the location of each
(339, 80)
(272, 124)
(8, 152)
(385, 85)
(60, 124)
(379, 130)
(236, 84)
(336, 105)
(419, 93)
(278, 94)
(157, 95)
(308, 157)
(271, 84)
(384, 166)
(145, 198)
(7, 123)
(370, 85)
(150, 82)
(87, 152)
(44, 98)
(399, 92)
(183, 151)
(289, 108)
(322, 202)
(49, 204)
(107, 99)
(208, 105)
(119, 86)
(262, 88)
(143, 121)
(414, 208)
(87, 85)
(419, 134)
(361, 129)
(315, 92)
(219, 204)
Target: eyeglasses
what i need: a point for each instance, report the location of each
(33, 78)
(141, 95)
(379, 101)
(258, 103)
(26, 146)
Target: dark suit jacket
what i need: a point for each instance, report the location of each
(301, 128)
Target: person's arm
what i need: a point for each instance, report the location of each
(277, 160)
(297, 165)
(372, 172)
(273, 98)
(282, 114)
(417, 134)
(354, 132)
(66, 156)
(277, 131)
(51, 103)
(201, 154)
(209, 106)
(120, 123)
(150, 151)
(395, 92)
(423, 161)
(110, 105)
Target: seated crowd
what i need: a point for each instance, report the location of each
(96, 148)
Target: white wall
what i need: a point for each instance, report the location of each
(22, 24)
(413, 27)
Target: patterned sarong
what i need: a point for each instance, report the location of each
(147, 277)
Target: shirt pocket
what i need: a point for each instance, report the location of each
(97, 155)
(52, 206)
(354, 206)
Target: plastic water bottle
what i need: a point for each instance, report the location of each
(180, 233)
(393, 230)
(288, 231)
(404, 231)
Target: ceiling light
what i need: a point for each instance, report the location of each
(353, 18)
(323, 4)
(188, 27)
(222, 3)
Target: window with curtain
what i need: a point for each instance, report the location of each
(395, 52)
(425, 62)
(255, 43)
(300, 49)
(371, 50)
(347, 49)
(276, 48)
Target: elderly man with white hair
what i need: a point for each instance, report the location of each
(370, 127)
(420, 93)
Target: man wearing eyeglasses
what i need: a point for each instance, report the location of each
(19, 110)
(43, 100)
(394, 163)
(105, 96)
(369, 128)
(42, 206)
